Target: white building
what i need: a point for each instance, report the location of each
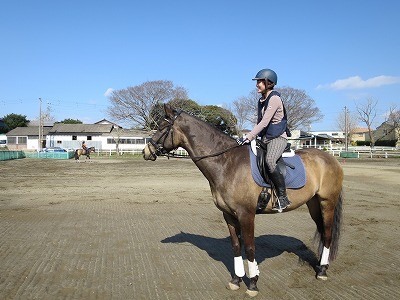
(70, 136)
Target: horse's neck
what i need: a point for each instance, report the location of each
(204, 140)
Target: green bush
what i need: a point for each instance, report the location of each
(363, 143)
(387, 143)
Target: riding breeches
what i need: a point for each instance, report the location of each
(275, 148)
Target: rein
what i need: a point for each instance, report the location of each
(197, 158)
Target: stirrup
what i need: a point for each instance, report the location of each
(281, 204)
(263, 200)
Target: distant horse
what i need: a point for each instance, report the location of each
(79, 152)
(227, 168)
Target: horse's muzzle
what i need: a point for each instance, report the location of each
(149, 153)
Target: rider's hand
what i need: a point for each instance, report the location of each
(243, 141)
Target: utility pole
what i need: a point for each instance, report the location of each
(40, 127)
(346, 129)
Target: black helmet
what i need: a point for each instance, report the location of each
(267, 74)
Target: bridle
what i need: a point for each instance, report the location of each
(161, 151)
(159, 147)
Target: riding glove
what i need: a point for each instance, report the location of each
(243, 140)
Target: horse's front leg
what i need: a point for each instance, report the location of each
(246, 220)
(234, 231)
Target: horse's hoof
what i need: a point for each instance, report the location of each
(234, 284)
(322, 277)
(251, 293)
(322, 273)
(233, 287)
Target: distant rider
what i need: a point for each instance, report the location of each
(84, 147)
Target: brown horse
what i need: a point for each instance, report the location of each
(227, 168)
(79, 152)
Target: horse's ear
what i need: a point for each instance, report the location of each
(169, 111)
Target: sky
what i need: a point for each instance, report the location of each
(72, 53)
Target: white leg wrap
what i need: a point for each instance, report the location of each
(325, 257)
(253, 269)
(239, 266)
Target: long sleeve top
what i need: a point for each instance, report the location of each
(273, 113)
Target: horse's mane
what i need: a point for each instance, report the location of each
(209, 125)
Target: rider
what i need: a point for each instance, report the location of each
(272, 129)
(84, 147)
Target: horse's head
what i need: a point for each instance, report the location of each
(163, 141)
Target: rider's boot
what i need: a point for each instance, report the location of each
(278, 180)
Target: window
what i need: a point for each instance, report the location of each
(11, 140)
(139, 141)
(59, 142)
(89, 137)
(74, 138)
(22, 140)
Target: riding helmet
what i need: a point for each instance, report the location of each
(267, 74)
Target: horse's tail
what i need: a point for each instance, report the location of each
(76, 156)
(336, 229)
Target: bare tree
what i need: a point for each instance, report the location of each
(241, 109)
(116, 135)
(393, 117)
(351, 121)
(392, 121)
(300, 108)
(245, 110)
(366, 114)
(135, 104)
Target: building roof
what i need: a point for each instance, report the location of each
(360, 130)
(107, 122)
(60, 128)
(118, 132)
(25, 131)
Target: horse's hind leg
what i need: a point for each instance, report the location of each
(326, 213)
(314, 208)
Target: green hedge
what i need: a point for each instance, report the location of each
(7, 155)
(387, 143)
(52, 155)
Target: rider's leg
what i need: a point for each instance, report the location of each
(278, 180)
(275, 148)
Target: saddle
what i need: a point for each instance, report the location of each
(290, 164)
(262, 164)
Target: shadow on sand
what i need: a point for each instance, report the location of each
(267, 246)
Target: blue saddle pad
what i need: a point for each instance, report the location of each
(295, 178)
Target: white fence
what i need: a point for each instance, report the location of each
(354, 152)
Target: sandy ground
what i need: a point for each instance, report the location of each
(131, 229)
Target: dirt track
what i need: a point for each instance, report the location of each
(130, 229)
